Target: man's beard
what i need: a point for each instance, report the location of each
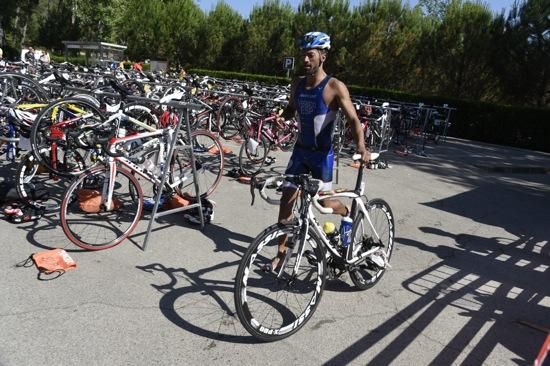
(312, 70)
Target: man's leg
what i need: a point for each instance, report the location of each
(337, 206)
(288, 199)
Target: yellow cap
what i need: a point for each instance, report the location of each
(329, 227)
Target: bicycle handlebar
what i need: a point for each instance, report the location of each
(304, 181)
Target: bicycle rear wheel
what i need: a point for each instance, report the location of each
(252, 158)
(100, 228)
(208, 155)
(270, 307)
(369, 272)
(291, 131)
(230, 116)
(33, 180)
(52, 145)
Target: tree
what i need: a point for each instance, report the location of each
(332, 17)
(522, 53)
(268, 37)
(219, 34)
(463, 43)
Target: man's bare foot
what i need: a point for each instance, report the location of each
(275, 262)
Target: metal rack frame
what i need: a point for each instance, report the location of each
(182, 108)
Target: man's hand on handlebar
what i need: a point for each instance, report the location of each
(365, 154)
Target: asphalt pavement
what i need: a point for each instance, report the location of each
(471, 263)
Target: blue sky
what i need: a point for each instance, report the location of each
(245, 6)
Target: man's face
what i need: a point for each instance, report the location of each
(312, 59)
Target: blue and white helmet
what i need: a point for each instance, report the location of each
(318, 40)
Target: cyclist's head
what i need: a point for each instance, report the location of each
(314, 46)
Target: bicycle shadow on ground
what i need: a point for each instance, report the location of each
(224, 239)
(486, 295)
(481, 285)
(201, 306)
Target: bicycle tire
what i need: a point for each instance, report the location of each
(254, 287)
(30, 175)
(142, 113)
(17, 88)
(209, 161)
(41, 139)
(368, 273)
(229, 118)
(251, 162)
(111, 227)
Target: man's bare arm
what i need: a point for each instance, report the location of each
(290, 110)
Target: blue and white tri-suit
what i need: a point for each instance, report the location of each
(313, 151)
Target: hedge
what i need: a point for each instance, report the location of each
(522, 127)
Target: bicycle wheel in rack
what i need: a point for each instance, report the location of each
(32, 178)
(84, 218)
(50, 143)
(142, 113)
(251, 157)
(291, 131)
(209, 160)
(370, 271)
(273, 307)
(18, 88)
(230, 115)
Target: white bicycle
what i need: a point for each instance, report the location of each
(274, 303)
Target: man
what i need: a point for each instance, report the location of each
(315, 100)
(29, 56)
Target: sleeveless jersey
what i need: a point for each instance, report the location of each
(315, 119)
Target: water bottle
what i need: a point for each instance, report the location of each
(345, 231)
(332, 234)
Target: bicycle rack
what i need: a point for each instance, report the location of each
(181, 107)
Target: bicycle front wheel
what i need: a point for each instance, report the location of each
(273, 307)
(365, 237)
(86, 221)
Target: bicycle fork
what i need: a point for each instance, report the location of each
(302, 237)
(108, 185)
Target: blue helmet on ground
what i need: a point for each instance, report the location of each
(318, 40)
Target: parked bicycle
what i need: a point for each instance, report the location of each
(262, 135)
(104, 204)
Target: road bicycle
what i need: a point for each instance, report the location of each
(103, 205)
(53, 144)
(275, 303)
(262, 135)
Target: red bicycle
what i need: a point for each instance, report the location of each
(263, 134)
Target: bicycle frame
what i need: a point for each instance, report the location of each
(358, 205)
(112, 161)
(259, 129)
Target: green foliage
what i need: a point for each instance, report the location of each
(450, 48)
(75, 60)
(219, 32)
(522, 53)
(268, 38)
